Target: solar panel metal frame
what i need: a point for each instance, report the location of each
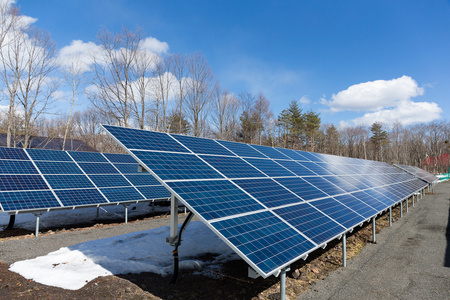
(418, 172)
(272, 154)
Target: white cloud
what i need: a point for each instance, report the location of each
(304, 100)
(79, 55)
(375, 95)
(58, 96)
(407, 112)
(154, 45)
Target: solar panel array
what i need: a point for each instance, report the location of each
(418, 172)
(33, 179)
(271, 205)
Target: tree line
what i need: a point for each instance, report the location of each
(129, 85)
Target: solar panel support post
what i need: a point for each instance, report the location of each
(407, 204)
(390, 216)
(12, 220)
(401, 209)
(413, 200)
(344, 250)
(98, 212)
(126, 212)
(38, 215)
(283, 283)
(173, 220)
(374, 239)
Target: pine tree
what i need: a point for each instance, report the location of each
(379, 139)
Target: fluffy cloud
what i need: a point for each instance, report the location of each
(304, 100)
(407, 112)
(375, 95)
(155, 46)
(78, 55)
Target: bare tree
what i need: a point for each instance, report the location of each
(179, 70)
(199, 86)
(164, 87)
(225, 113)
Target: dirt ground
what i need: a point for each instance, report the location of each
(231, 282)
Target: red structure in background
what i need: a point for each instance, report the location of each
(441, 161)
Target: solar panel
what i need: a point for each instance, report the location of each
(57, 179)
(419, 173)
(270, 205)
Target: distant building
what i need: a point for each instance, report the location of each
(40, 142)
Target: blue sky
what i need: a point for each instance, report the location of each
(355, 62)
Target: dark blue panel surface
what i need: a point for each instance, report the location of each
(268, 192)
(154, 191)
(311, 222)
(120, 158)
(302, 188)
(338, 212)
(215, 198)
(202, 146)
(121, 194)
(98, 168)
(241, 149)
(310, 156)
(23, 200)
(296, 168)
(357, 205)
(380, 197)
(325, 186)
(171, 166)
(50, 155)
(80, 197)
(87, 156)
(145, 140)
(22, 182)
(127, 168)
(68, 181)
(342, 183)
(369, 200)
(270, 152)
(295, 155)
(47, 167)
(17, 167)
(109, 180)
(316, 168)
(13, 153)
(232, 167)
(265, 239)
(142, 179)
(269, 167)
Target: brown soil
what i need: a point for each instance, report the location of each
(229, 283)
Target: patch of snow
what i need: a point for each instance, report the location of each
(145, 251)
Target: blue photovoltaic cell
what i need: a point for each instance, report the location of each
(202, 146)
(172, 166)
(264, 239)
(47, 167)
(232, 167)
(315, 168)
(391, 193)
(296, 168)
(50, 155)
(24, 200)
(215, 198)
(68, 181)
(357, 205)
(301, 188)
(17, 167)
(127, 168)
(324, 185)
(22, 182)
(120, 158)
(142, 179)
(154, 191)
(80, 197)
(13, 153)
(269, 167)
(295, 155)
(87, 156)
(145, 140)
(333, 168)
(241, 149)
(311, 222)
(270, 152)
(98, 168)
(369, 200)
(342, 183)
(355, 182)
(310, 156)
(338, 212)
(121, 194)
(109, 180)
(268, 192)
(380, 197)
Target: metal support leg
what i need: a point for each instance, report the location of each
(401, 209)
(126, 213)
(344, 250)
(407, 204)
(390, 216)
(283, 284)
(98, 212)
(38, 215)
(173, 220)
(374, 240)
(12, 219)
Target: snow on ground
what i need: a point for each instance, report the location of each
(57, 218)
(145, 251)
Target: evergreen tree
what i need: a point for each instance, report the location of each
(312, 125)
(379, 139)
